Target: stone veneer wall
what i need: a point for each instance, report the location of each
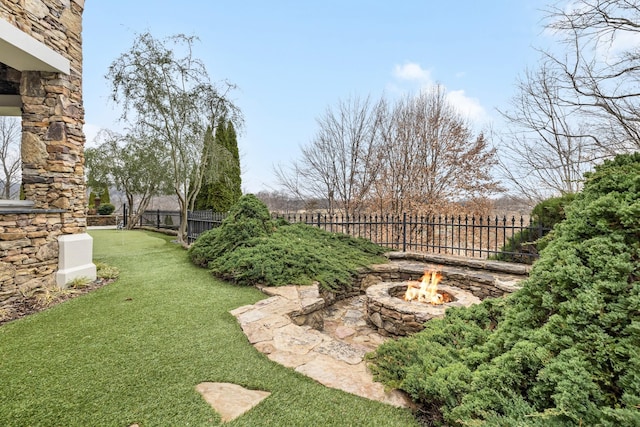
(28, 254)
(52, 150)
(101, 220)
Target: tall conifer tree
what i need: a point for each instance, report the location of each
(223, 192)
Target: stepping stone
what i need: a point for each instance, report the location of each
(230, 400)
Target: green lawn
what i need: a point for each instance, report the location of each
(133, 351)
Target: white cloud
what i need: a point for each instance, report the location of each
(412, 72)
(469, 107)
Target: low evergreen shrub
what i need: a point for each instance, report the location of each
(297, 254)
(249, 219)
(562, 351)
(106, 209)
(250, 248)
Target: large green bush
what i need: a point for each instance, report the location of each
(565, 349)
(524, 246)
(297, 254)
(250, 248)
(249, 219)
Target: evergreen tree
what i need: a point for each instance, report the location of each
(104, 197)
(92, 199)
(235, 180)
(225, 190)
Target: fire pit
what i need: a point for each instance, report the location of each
(402, 308)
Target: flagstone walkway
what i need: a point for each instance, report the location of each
(333, 357)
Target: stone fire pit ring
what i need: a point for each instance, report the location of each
(392, 315)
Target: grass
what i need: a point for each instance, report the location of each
(133, 351)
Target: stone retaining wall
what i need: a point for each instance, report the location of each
(482, 278)
(101, 220)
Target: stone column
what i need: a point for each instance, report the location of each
(52, 146)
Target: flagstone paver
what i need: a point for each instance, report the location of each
(333, 357)
(230, 400)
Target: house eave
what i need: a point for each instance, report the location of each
(24, 53)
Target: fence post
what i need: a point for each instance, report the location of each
(318, 219)
(158, 218)
(539, 230)
(124, 215)
(188, 226)
(404, 232)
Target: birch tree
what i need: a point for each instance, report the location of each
(165, 90)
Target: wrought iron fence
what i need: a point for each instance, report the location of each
(200, 221)
(465, 235)
(161, 219)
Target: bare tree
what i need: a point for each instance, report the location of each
(395, 184)
(283, 203)
(10, 132)
(544, 150)
(341, 162)
(431, 157)
(601, 67)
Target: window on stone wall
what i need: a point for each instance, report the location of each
(10, 133)
(10, 162)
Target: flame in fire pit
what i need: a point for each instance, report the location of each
(426, 290)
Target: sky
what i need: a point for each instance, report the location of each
(292, 60)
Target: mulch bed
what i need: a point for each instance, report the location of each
(27, 306)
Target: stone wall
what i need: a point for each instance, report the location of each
(101, 220)
(28, 255)
(52, 150)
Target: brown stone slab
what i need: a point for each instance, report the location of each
(230, 400)
(354, 379)
(296, 339)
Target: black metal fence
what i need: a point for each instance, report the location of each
(200, 221)
(470, 236)
(161, 219)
